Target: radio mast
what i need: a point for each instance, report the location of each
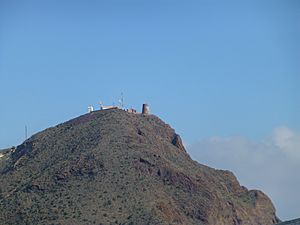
(121, 101)
(25, 132)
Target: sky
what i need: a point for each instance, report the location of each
(214, 70)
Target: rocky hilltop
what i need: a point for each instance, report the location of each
(115, 167)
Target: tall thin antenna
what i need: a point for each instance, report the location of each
(25, 132)
(121, 101)
(101, 105)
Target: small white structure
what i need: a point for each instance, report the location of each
(90, 109)
(109, 107)
(131, 110)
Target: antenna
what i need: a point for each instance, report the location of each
(25, 132)
(101, 105)
(121, 101)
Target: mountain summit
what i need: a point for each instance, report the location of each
(115, 167)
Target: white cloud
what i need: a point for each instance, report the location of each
(288, 141)
(271, 164)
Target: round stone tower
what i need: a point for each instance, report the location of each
(146, 109)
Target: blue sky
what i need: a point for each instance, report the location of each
(209, 68)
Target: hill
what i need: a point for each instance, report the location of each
(115, 167)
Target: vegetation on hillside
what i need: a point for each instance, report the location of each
(115, 167)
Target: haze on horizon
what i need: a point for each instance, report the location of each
(225, 75)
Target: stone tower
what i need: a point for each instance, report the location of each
(146, 109)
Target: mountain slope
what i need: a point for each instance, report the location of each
(114, 167)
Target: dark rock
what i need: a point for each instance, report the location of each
(178, 142)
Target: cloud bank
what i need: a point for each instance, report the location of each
(271, 165)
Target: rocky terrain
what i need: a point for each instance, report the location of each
(115, 167)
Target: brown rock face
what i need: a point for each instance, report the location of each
(114, 167)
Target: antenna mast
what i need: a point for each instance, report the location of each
(122, 101)
(25, 132)
(101, 105)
